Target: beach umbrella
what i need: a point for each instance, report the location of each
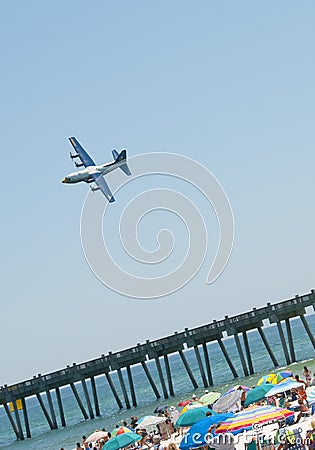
(270, 378)
(258, 393)
(251, 416)
(148, 421)
(227, 401)
(120, 430)
(285, 385)
(184, 402)
(311, 396)
(237, 387)
(160, 409)
(198, 433)
(96, 436)
(192, 405)
(283, 374)
(210, 398)
(121, 441)
(192, 416)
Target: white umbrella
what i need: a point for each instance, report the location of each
(282, 387)
(311, 396)
(148, 421)
(96, 436)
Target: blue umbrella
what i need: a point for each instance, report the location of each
(160, 409)
(198, 434)
(284, 386)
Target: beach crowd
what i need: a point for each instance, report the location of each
(166, 434)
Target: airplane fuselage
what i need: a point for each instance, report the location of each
(85, 174)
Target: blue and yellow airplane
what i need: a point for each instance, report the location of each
(93, 173)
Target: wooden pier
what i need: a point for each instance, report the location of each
(158, 350)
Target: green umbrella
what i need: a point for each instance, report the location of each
(192, 416)
(258, 393)
(121, 441)
(210, 398)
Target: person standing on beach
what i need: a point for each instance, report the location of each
(307, 374)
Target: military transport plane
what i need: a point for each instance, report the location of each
(93, 173)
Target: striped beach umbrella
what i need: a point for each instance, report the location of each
(120, 430)
(252, 417)
(283, 374)
(228, 401)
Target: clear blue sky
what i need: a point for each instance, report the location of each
(230, 84)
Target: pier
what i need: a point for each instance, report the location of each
(157, 351)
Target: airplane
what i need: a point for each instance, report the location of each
(93, 173)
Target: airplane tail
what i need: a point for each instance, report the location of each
(122, 156)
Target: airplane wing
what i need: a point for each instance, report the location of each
(103, 186)
(85, 158)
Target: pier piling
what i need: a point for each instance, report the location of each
(95, 399)
(150, 379)
(26, 421)
(60, 407)
(79, 401)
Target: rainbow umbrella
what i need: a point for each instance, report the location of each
(270, 378)
(121, 430)
(121, 441)
(283, 375)
(210, 398)
(251, 417)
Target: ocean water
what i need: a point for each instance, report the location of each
(43, 438)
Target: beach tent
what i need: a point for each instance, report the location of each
(198, 434)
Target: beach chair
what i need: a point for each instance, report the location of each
(295, 440)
